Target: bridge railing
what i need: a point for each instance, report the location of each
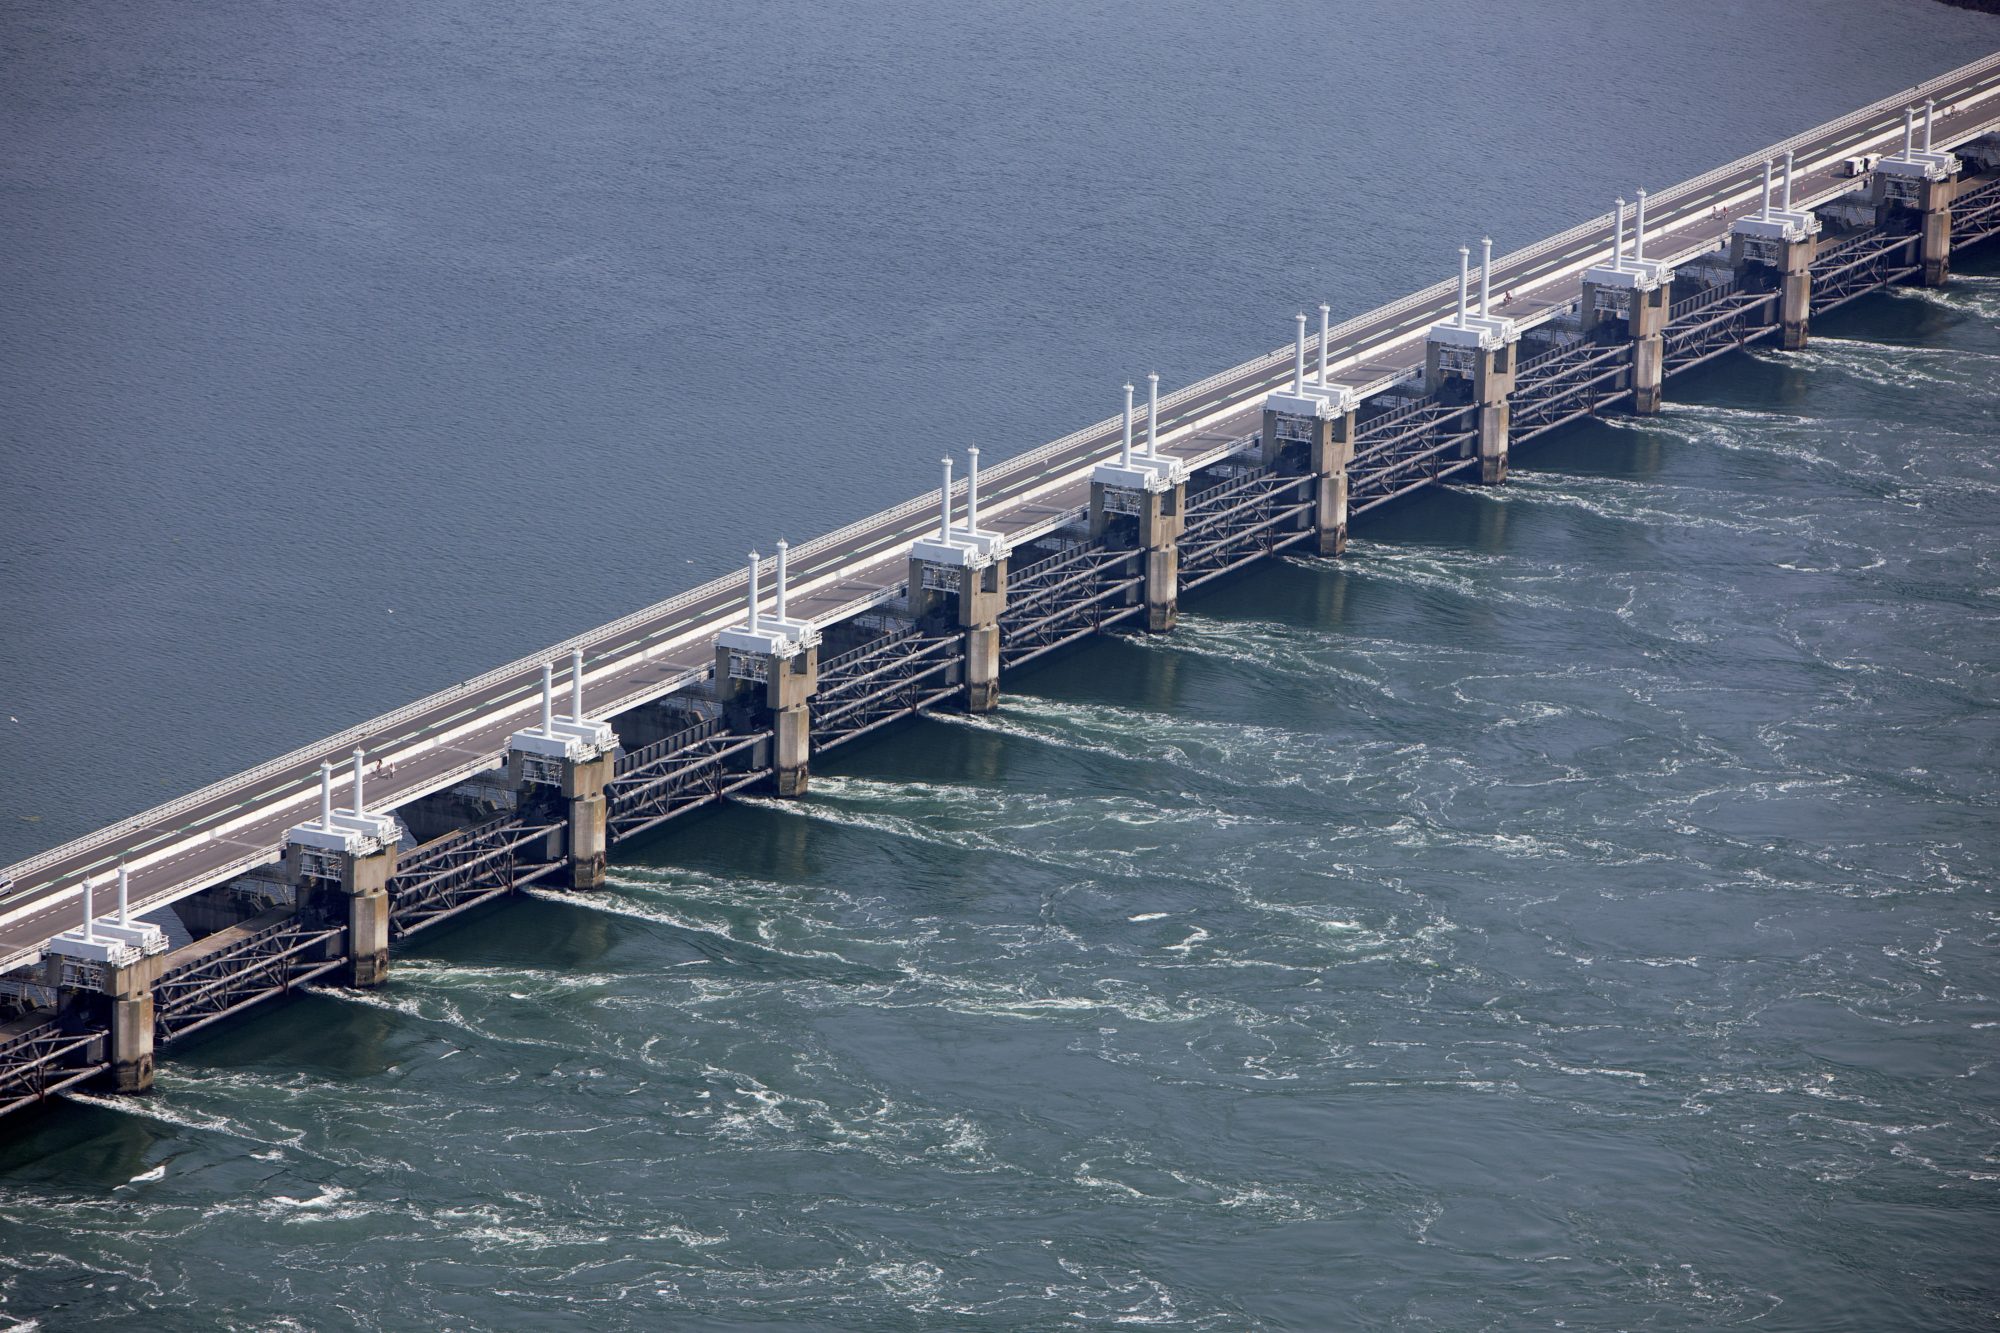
(525, 666)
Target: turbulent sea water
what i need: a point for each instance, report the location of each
(1574, 908)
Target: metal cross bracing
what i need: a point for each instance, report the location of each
(464, 869)
(1252, 514)
(1735, 319)
(1063, 597)
(269, 959)
(1975, 215)
(1424, 448)
(677, 781)
(631, 762)
(903, 672)
(1701, 299)
(1579, 381)
(38, 1058)
(1868, 263)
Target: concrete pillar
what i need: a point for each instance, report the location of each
(1645, 312)
(583, 787)
(788, 686)
(1492, 382)
(1935, 247)
(1329, 464)
(975, 606)
(364, 880)
(1795, 285)
(1161, 516)
(130, 990)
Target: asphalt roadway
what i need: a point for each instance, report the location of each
(241, 822)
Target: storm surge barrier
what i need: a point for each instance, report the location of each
(314, 867)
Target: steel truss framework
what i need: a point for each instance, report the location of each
(1734, 319)
(1409, 449)
(1864, 264)
(1241, 519)
(271, 961)
(461, 870)
(42, 1059)
(1558, 387)
(1063, 597)
(903, 672)
(673, 782)
(1975, 215)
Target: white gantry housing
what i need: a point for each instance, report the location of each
(1318, 398)
(575, 738)
(1482, 329)
(1147, 470)
(1635, 272)
(116, 941)
(354, 831)
(776, 634)
(1769, 226)
(1919, 164)
(967, 547)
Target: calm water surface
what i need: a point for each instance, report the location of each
(1572, 909)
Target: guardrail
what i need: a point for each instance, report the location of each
(530, 664)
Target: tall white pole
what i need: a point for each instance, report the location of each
(1639, 229)
(1766, 215)
(1125, 452)
(1618, 238)
(784, 579)
(972, 490)
(359, 807)
(1153, 414)
(576, 684)
(1325, 312)
(1909, 131)
(326, 793)
(89, 914)
(944, 502)
(1299, 357)
(548, 699)
(1930, 110)
(1788, 182)
(124, 897)
(755, 595)
(1485, 276)
(1464, 280)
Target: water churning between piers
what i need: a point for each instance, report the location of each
(1571, 905)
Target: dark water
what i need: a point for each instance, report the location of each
(1573, 909)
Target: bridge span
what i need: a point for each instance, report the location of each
(313, 864)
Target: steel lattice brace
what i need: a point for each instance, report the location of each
(1383, 472)
(463, 869)
(1066, 597)
(1735, 320)
(267, 961)
(34, 1061)
(1234, 523)
(894, 676)
(1975, 215)
(1580, 386)
(1861, 269)
(674, 783)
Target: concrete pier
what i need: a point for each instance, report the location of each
(364, 882)
(583, 788)
(1478, 349)
(779, 686)
(971, 596)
